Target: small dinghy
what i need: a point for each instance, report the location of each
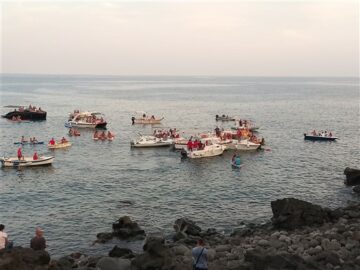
(224, 118)
(59, 145)
(28, 143)
(26, 161)
(319, 138)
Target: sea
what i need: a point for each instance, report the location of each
(93, 183)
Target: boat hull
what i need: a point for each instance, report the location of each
(26, 162)
(140, 145)
(59, 145)
(26, 115)
(215, 151)
(318, 138)
(147, 121)
(244, 146)
(85, 125)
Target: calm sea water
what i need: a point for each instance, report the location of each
(85, 189)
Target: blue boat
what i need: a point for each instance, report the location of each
(318, 138)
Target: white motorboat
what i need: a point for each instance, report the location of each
(244, 145)
(151, 141)
(87, 120)
(209, 149)
(26, 161)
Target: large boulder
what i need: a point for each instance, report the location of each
(125, 228)
(23, 259)
(352, 176)
(290, 213)
(107, 263)
(187, 227)
(276, 261)
(157, 255)
(121, 252)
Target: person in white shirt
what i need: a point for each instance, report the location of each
(3, 237)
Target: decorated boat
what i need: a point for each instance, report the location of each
(59, 145)
(224, 118)
(87, 120)
(22, 114)
(26, 161)
(150, 141)
(208, 149)
(319, 137)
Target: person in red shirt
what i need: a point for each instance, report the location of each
(19, 153)
(196, 144)
(52, 141)
(35, 156)
(190, 145)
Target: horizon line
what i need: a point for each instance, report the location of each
(173, 75)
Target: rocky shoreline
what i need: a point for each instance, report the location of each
(300, 235)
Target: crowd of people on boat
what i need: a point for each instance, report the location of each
(196, 144)
(103, 136)
(165, 134)
(322, 133)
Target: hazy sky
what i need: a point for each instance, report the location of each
(262, 38)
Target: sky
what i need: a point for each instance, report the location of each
(210, 38)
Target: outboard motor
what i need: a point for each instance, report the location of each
(183, 153)
(133, 120)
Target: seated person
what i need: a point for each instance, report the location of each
(52, 141)
(35, 156)
(63, 140)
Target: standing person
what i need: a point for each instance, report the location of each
(200, 256)
(19, 153)
(3, 237)
(38, 242)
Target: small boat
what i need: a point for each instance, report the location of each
(26, 161)
(143, 118)
(244, 145)
(150, 141)
(319, 138)
(26, 114)
(224, 118)
(87, 120)
(252, 128)
(210, 149)
(59, 145)
(28, 143)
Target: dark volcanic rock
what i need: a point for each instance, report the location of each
(23, 259)
(126, 228)
(352, 176)
(276, 261)
(187, 226)
(121, 252)
(356, 189)
(290, 213)
(156, 256)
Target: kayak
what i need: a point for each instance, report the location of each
(28, 143)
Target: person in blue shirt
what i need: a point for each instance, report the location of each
(237, 161)
(199, 254)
